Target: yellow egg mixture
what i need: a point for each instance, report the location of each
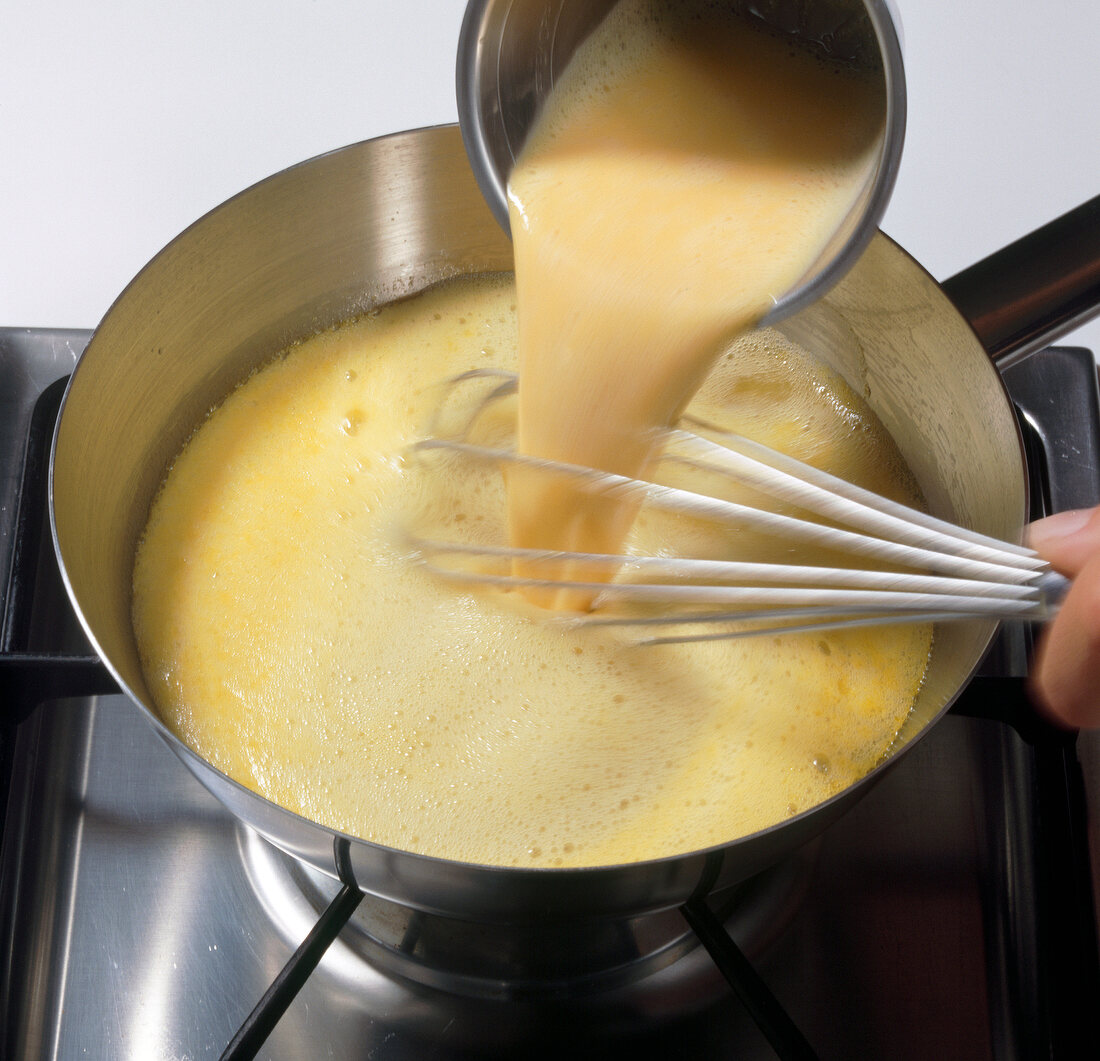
(289, 638)
(687, 171)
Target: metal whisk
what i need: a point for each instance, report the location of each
(948, 573)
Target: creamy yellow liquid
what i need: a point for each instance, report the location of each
(289, 638)
(687, 171)
(674, 189)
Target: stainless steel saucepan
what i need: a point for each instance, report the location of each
(338, 235)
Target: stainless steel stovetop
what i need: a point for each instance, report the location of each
(949, 915)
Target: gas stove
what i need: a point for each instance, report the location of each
(950, 914)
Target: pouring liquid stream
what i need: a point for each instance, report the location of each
(687, 171)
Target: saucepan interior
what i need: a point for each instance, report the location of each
(333, 237)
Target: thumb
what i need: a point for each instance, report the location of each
(1068, 539)
(1066, 673)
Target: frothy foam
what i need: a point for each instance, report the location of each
(288, 639)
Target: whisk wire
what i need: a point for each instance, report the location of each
(828, 495)
(955, 573)
(687, 502)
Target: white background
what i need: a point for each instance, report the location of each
(123, 121)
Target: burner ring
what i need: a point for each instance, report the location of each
(544, 959)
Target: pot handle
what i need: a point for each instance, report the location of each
(1035, 290)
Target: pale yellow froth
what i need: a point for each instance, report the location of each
(289, 637)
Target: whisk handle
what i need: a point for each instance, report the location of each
(1053, 588)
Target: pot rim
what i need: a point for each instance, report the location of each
(688, 863)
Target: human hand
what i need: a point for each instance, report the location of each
(1065, 677)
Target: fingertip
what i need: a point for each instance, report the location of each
(1065, 679)
(1068, 540)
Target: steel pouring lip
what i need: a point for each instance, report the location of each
(510, 51)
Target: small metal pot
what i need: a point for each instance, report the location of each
(345, 232)
(510, 53)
